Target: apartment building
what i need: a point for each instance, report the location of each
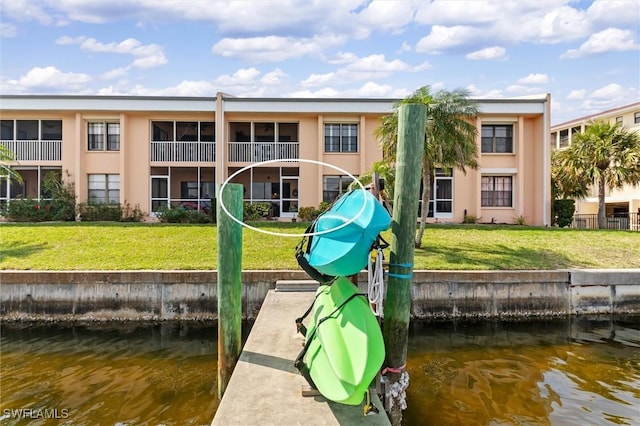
(619, 202)
(170, 151)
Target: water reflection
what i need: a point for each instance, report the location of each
(122, 374)
(561, 372)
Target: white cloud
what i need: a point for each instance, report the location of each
(609, 91)
(274, 48)
(534, 79)
(488, 53)
(47, 79)
(576, 95)
(115, 73)
(8, 30)
(442, 38)
(241, 77)
(274, 77)
(609, 40)
(614, 12)
(147, 55)
(360, 69)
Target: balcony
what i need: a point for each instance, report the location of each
(189, 152)
(252, 152)
(34, 150)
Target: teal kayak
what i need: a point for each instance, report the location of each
(344, 343)
(345, 251)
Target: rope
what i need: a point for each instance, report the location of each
(376, 282)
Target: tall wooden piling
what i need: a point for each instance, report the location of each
(411, 134)
(229, 283)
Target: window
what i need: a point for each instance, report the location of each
(6, 133)
(98, 133)
(104, 189)
(334, 186)
(183, 131)
(496, 191)
(619, 120)
(636, 117)
(498, 138)
(564, 138)
(340, 137)
(31, 130)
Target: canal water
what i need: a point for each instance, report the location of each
(555, 372)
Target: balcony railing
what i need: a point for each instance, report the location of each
(34, 150)
(621, 221)
(251, 152)
(163, 151)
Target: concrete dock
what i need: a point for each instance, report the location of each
(265, 388)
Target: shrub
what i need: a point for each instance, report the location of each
(520, 220)
(563, 212)
(100, 212)
(253, 211)
(469, 218)
(182, 215)
(27, 210)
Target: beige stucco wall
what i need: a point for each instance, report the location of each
(133, 164)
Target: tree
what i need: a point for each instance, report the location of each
(450, 137)
(606, 155)
(6, 171)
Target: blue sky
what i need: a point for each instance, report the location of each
(584, 53)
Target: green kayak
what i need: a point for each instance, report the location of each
(345, 347)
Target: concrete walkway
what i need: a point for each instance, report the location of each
(266, 389)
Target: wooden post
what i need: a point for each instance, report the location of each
(411, 133)
(229, 283)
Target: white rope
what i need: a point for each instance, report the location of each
(375, 287)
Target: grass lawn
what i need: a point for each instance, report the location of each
(109, 246)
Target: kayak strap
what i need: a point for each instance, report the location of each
(299, 361)
(304, 247)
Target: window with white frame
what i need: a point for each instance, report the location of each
(619, 120)
(103, 136)
(104, 189)
(636, 117)
(497, 191)
(340, 137)
(334, 186)
(497, 138)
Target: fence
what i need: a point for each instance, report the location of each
(620, 221)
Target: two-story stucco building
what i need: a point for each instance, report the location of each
(154, 151)
(623, 201)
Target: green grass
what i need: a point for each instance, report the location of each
(107, 246)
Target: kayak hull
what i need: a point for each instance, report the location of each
(347, 348)
(345, 251)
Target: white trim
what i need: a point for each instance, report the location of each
(498, 171)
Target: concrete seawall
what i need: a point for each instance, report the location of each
(192, 295)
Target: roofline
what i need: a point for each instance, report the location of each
(530, 104)
(596, 115)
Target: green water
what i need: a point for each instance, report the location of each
(561, 372)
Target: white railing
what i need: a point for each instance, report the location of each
(251, 152)
(183, 151)
(34, 150)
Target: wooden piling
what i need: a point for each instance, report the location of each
(229, 283)
(411, 134)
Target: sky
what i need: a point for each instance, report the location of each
(586, 54)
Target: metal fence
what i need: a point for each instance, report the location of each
(621, 221)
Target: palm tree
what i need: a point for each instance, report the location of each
(607, 155)
(450, 137)
(6, 171)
